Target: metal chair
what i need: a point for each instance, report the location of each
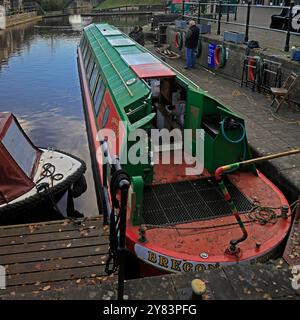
(281, 95)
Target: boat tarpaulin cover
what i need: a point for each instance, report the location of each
(18, 159)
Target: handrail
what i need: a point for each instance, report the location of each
(112, 64)
(120, 182)
(233, 250)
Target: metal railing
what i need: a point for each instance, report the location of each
(25, 9)
(115, 213)
(215, 12)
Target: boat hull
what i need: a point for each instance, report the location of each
(162, 252)
(40, 206)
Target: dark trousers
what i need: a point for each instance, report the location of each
(190, 58)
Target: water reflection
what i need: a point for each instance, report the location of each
(39, 83)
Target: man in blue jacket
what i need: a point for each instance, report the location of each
(191, 43)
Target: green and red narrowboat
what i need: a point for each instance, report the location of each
(175, 222)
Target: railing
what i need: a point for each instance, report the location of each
(115, 198)
(228, 13)
(11, 12)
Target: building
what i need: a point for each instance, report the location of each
(15, 5)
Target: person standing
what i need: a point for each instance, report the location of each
(133, 33)
(191, 43)
(139, 36)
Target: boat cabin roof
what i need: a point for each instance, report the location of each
(124, 62)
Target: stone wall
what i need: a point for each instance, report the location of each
(236, 52)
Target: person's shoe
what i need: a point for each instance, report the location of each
(187, 68)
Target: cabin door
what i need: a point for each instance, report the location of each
(193, 119)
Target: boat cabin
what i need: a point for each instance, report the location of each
(128, 83)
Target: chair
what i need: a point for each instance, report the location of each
(281, 95)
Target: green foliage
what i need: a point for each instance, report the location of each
(52, 5)
(108, 4)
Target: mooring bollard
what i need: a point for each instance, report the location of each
(288, 34)
(248, 20)
(220, 17)
(199, 289)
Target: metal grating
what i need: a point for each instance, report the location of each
(188, 201)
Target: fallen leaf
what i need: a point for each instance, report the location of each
(69, 245)
(46, 288)
(267, 296)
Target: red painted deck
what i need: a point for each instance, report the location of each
(186, 242)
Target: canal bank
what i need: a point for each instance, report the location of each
(267, 132)
(21, 18)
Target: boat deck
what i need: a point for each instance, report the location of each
(53, 255)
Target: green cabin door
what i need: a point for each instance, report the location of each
(194, 111)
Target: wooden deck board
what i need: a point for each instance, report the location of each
(53, 254)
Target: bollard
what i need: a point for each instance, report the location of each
(248, 21)
(199, 289)
(183, 9)
(288, 34)
(219, 19)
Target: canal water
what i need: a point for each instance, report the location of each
(39, 83)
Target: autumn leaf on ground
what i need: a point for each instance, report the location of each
(46, 288)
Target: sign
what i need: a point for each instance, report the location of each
(211, 55)
(296, 18)
(164, 262)
(2, 18)
(171, 264)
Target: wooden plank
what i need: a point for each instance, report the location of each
(55, 286)
(54, 254)
(57, 275)
(32, 238)
(53, 245)
(47, 227)
(56, 264)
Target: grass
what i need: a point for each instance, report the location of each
(109, 4)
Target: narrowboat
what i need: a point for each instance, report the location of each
(33, 180)
(178, 220)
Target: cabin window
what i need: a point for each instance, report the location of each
(87, 57)
(90, 68)
(98, 96)
(85, 50)
(82, 43)
(94, 77)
